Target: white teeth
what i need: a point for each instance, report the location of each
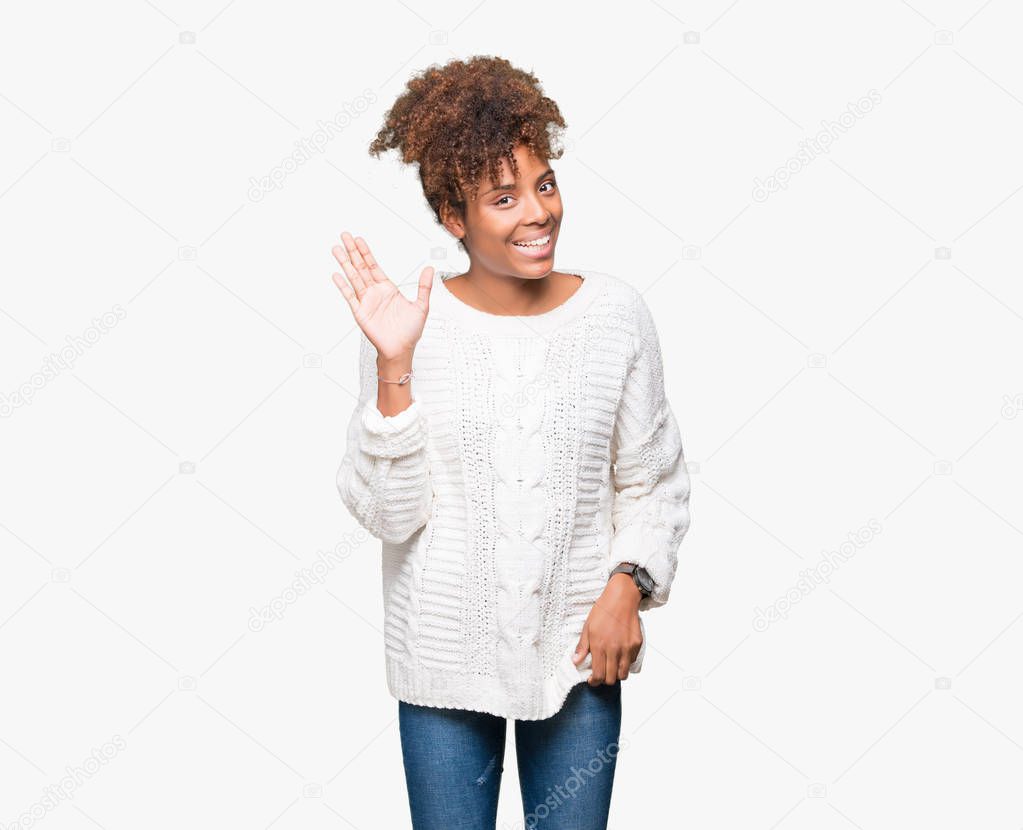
(536, 243)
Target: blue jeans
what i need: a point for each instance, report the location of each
(454, 759)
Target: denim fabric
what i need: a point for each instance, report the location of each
(454, 759)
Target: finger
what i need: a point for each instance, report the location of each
(346, 290)
(582, 647)
(599, 665)
(355, 276)
(425, 282)
(341, 255)
(623, 668)
(375, 272)
(356, 257)
(611, 670)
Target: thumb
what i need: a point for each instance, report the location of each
(425, 284)
(583, 647)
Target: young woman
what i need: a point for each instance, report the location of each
(513, 449)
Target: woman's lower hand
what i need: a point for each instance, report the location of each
(612, 633)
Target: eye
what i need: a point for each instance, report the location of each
(500, 202)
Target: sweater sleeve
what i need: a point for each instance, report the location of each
(650, 504)
(384, 476)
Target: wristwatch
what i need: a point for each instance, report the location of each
(643, 580)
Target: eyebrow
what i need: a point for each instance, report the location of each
(543, 175)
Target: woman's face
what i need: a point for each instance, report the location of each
(507, 213)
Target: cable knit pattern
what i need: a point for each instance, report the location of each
(538, 452)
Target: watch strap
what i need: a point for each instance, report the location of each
(631, 568)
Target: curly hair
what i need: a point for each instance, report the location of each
(458, 120)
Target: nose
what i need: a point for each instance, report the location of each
(537, 212)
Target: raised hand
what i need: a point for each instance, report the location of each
(392, 323)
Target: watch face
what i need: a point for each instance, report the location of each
(645, 582)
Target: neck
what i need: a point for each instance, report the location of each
(500, 293)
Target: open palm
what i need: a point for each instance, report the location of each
(392, 323)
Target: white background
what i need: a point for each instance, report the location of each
(841, 354)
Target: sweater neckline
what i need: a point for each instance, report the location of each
(519, 325)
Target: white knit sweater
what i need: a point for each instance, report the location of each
(538, 452)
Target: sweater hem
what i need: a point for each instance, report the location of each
(448, 689)
(452, 690)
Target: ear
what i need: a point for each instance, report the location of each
(452, 221)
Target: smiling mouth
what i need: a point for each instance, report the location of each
(542, 242)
